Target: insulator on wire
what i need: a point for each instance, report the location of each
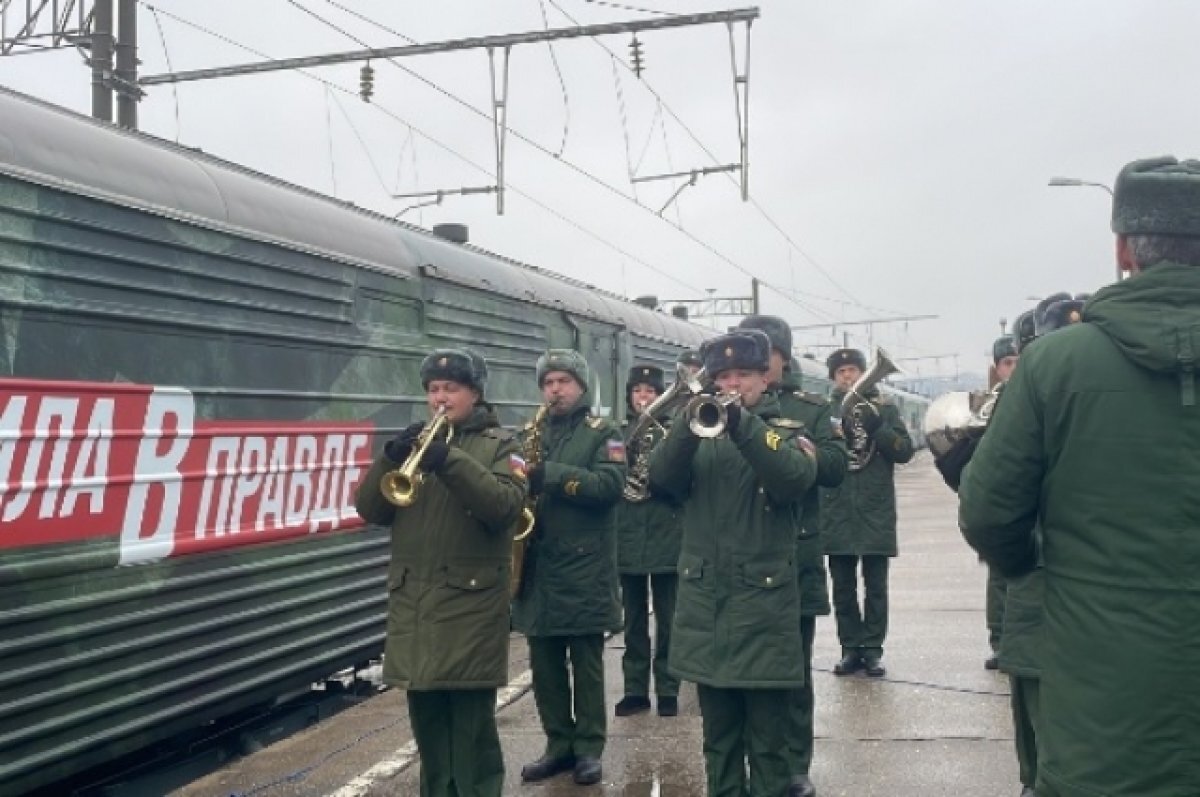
(366, 82)
(635, 56)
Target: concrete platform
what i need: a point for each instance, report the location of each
(937, 726)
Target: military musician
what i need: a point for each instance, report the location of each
(859, 517)
(459, 494)
(810, 413)
(649, 529)
(570, 598)
(737, 620)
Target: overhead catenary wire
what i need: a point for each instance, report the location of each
(162, 38)
(380, 108)
(562, 147)
(704, 148)
(575, 167)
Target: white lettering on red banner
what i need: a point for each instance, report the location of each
(82, 461)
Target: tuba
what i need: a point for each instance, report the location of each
(531, 451)
(642, 438)
(954, 416)
(860, 445)
(402, 485)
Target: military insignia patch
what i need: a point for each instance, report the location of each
(443, 362)
(616, 451)
(772, 439)
(728, 351)
(806, 445)
(571, 487)
(1074, 318)
(516, 465)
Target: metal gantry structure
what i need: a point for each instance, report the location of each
(499, 48)
(106, 32)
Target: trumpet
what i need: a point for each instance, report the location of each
(707, 416)
(401, 486)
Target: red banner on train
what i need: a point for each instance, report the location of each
(83, 460)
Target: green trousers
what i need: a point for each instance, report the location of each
(740, 726)
(997, 589)
(800, 723)
(1026, 718)
(455, 731)
(636, 595)
(580, 732)
(860, 630)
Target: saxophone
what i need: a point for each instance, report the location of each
(531, 451)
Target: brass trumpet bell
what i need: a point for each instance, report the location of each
(402, 485)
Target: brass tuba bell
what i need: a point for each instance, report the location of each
(401, 486)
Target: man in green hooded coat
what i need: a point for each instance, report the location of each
(810, 414)
(570, 596)
(1095, 431)
(737, 619)
(649, 529)
(447, 625)
(858, 518)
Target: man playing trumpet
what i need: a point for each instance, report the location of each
(447, 627)
(737, 617)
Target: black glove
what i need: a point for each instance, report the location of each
(953, 462)
(733, 416)
(871, 421)
(537, 478)
(435, 456)
(400, 446)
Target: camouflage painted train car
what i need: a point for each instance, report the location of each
(196, 365)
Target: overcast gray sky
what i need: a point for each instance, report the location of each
(903, 145)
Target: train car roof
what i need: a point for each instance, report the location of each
(49, 145)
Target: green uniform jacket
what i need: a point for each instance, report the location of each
(1098, 439)
(648, 532)
(812, 412)
(447, 624)
(859, 517)
(571, 588)
(737, 615)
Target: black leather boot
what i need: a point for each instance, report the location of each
(850, 663)
(588, 770)
(546, 767)
(801, 786)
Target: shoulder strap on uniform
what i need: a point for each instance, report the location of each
(595, 422)
(785, 423)
(499, 432)
(809, 398)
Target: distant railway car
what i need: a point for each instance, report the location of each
(197, 363)
(815, 378)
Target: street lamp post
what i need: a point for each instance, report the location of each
(1073, 182)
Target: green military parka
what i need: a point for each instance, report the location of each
(858, 518)
(1098, 439)
(571, 575)
(447, 625)
(812, 413)
(648, 532)
(737, 617)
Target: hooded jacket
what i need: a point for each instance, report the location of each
(1098, 438)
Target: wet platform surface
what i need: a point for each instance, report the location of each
(937, 725)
